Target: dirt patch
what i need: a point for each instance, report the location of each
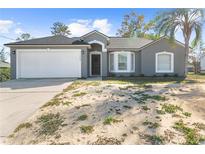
(104, 112)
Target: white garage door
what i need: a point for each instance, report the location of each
(52, 63)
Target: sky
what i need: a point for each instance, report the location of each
(37, 22)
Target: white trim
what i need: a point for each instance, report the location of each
(116, 70)
(101, 43)
(90, 61)
(172, 62)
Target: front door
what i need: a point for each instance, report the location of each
(95, 64)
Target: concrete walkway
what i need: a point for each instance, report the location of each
(19, 99)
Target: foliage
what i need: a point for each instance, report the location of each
(2, 55)
(4, 74)
(133, 25)
(24, 37)
(60, 28)
(186, 20)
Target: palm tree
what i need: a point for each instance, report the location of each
(186, 20)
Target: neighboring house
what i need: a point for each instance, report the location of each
(95, 54)
(4, 64)
(202, 64)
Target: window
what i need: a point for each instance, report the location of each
(164, 62)
(123, 61)
(111, 62)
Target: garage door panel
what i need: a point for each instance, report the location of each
(52, 63)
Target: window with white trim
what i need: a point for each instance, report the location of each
(123, 61)
(164, 62)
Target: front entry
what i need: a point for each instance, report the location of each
(95, 64)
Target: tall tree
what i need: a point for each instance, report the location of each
(185, 20)
(24, 37)
(2, 55)
(133, 25)
(60, 28)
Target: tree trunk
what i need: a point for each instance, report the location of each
(186, 56)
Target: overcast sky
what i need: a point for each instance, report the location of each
(37, 22)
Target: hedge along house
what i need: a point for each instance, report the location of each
(95, 54)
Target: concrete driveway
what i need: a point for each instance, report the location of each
(19, 99)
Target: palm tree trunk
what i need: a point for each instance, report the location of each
(186, 57)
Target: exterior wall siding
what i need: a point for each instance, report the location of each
(148, 58)
(13, 63)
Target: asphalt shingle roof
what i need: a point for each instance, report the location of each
(119, 42)
(51, 40)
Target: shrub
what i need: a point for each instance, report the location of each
(166, 75)
(4, 74)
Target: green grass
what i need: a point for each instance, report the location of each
(50, 123)
(23, 125)
(82, 117)
(109, 120)
(187, 114)
(4, 74)
(170, 108)
(79, 94)
(191, 135)
(144, 97)
(86, 129)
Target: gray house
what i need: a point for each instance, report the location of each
(95, 54)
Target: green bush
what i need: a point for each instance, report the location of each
(4, 74)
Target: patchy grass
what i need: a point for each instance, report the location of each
(107, 141)
(86, 129)
(155, 139)
(187, 114)
(84, 105)
(23, 125)
(160, 111)
(50, 123)
(109, 120)
(82, 117)
(56, 102)
(75, 85)
(191, 135)
(128, 87)
(151, 124)
(79, 94)
(144, 97)
(127, 106)
(199, 125)
(170, 108)
(145, 108)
